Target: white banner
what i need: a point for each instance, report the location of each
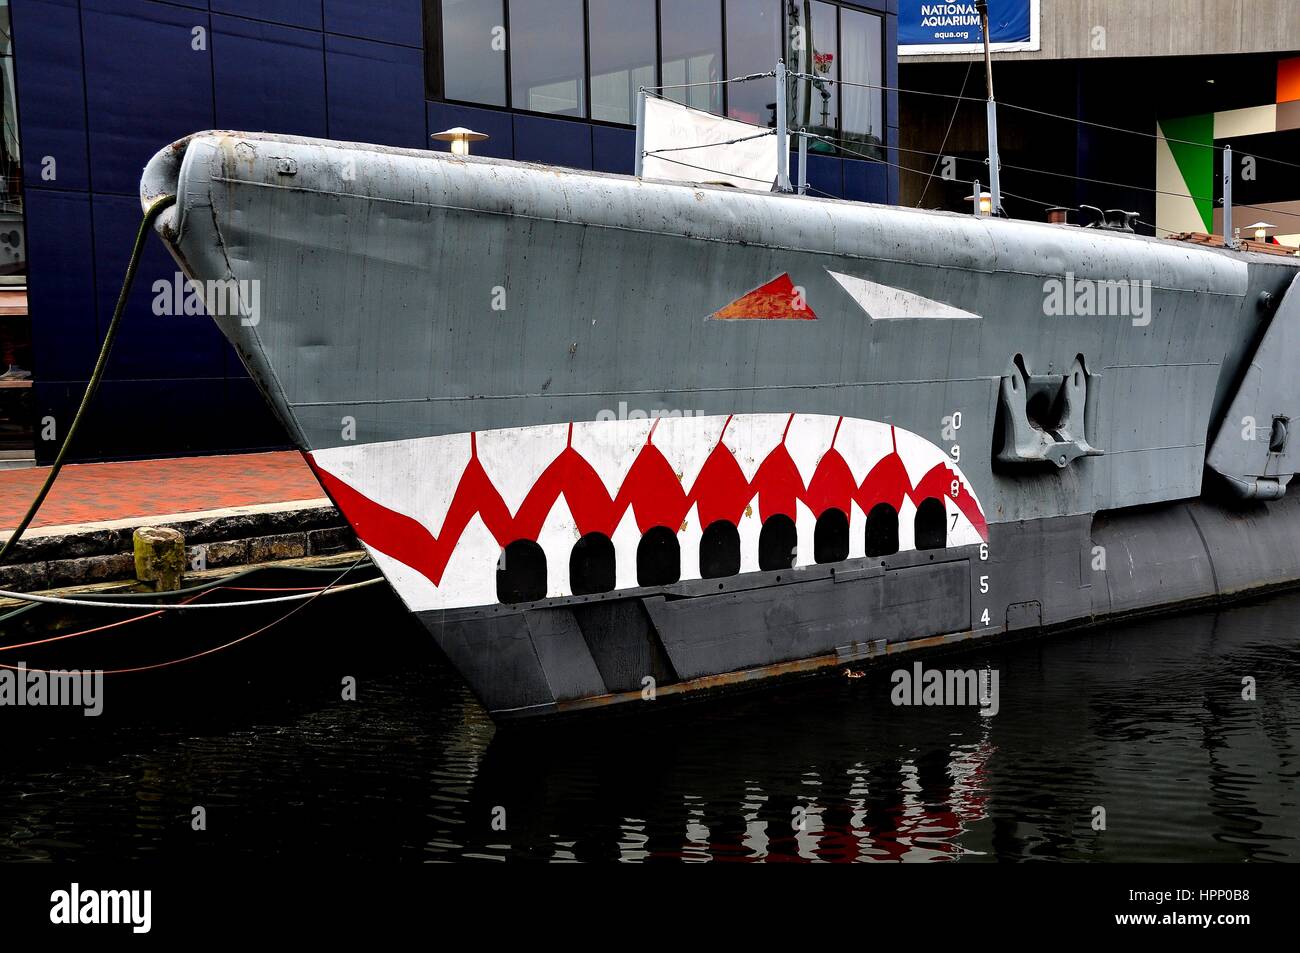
(669, 125)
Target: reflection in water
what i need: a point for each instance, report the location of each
(1145, 720)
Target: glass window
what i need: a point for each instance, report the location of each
(863, 108)
(621, 38)
(474, 51)
(690, 34)
(547, 62)
(753, 46)
(813, 48)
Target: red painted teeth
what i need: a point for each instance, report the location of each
(652, 491)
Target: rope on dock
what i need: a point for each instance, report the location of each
(309, 598)
(148, 615)
(211, 585)
(165, 606)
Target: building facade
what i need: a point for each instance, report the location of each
(102, 84)
(1125, 104)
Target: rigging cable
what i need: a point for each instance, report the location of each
(725, 175)
(713, 82)
(946, 134)
(1050, 115)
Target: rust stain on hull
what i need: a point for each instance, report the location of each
(762, 673)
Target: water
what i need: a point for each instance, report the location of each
(1145, 720)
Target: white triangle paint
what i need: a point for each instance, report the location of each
(886, 303)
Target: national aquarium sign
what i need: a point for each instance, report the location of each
(939, 26)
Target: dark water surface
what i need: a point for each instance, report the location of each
(1145, 720)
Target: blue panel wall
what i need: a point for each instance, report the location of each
(867, 181)
(268, 77)
(49, 74)
(554, 141)
(825, 175)
(148, 345)
(146, 84)
(376, 92)
(392, 21)
(103, 84)
(61, 288)
(613, 149)
(304, 13)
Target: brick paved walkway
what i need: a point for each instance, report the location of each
(98, 492)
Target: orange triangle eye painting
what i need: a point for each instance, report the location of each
(778, 299)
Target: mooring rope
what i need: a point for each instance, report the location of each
(156, 208)
(149, 615)
(212, 584)
(99, 628)
(165, 606)
(312, 596)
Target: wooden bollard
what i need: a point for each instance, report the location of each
(159, 557)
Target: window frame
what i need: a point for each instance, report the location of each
(435, 80)
(585, 79)
(883, 91)
(659, 47)
(658, 61)
(839, 54)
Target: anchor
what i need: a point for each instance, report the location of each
(1041, 416)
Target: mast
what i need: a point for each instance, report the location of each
(782, 131)
(995, 177)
